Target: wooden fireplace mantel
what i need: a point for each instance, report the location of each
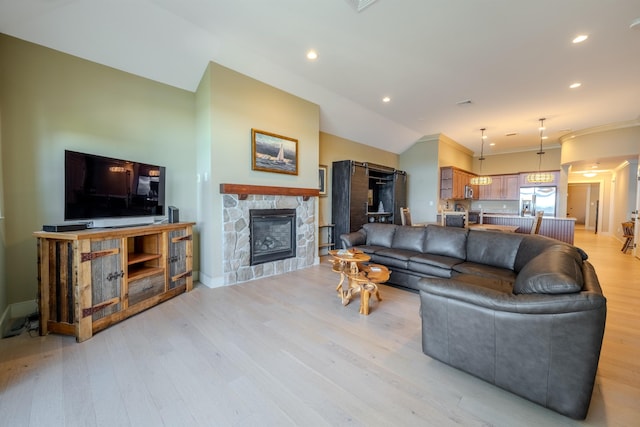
(243, 191)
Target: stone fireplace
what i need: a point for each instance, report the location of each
(237, 244)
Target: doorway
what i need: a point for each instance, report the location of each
(583, 204)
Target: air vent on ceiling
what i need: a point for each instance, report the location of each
(359, 5)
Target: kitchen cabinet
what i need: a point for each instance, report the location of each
(502, 187)
(91, 279)
(453, 182)
(510, 187)
(358, 189)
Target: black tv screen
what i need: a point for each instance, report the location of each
(102, 187)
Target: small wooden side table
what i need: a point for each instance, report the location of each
(374, 274)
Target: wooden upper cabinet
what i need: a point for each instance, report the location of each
(453, 182)
(502, 187)
(510, 187)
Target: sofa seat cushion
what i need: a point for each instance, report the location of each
(410, 238)
(401, 254)
(441, 261)
(370, 249)
(486, 271)
(495, 283)
(430, 270)
(391, 262)
(554, 271)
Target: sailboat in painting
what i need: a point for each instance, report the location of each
(280, 157)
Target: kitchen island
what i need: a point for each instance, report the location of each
(557, 228)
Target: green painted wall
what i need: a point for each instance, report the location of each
(420, 162)
(53, 101)
(230, 104)
(3, 276)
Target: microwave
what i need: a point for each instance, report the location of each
(468, 192)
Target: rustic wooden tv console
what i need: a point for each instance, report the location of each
(91, 279)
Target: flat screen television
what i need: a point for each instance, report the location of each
(98, 189)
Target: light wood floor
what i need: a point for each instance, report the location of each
(283, 351)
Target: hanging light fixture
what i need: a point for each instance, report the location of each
(540, 177)
(481, 180)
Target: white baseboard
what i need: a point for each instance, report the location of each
(211, 282)
(4, 318)
(17, 310)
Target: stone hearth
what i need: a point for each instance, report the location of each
(237, 247)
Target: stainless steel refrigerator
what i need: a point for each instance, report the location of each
(534, 199)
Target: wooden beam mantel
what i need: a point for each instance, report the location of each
(243, 191)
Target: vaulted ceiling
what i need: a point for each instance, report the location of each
(449, 67)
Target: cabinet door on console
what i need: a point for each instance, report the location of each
(179, 270)
(106, 277)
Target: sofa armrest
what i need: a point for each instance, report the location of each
(493, 299)
(356, 238)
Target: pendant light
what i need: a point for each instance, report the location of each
(540, 177)
(481, 180)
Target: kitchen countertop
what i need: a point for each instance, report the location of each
(528, 216)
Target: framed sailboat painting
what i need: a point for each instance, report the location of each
(273, 153)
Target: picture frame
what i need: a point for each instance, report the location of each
(322, 176)
(275, 153)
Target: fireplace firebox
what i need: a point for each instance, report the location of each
(272, 234)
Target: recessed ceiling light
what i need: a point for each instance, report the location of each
(575, 85)
(590, 174)
(386, 99)
(312, 55)
(545, 137)
(492, 144)
(580, 38)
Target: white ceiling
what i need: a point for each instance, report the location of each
(513, 59)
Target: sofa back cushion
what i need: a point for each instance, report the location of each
(554, 271)
(531, 246)
(447, 241)
(380, 234)
(495, 248)
(410, 238)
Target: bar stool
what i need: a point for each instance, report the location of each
(627, 233)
